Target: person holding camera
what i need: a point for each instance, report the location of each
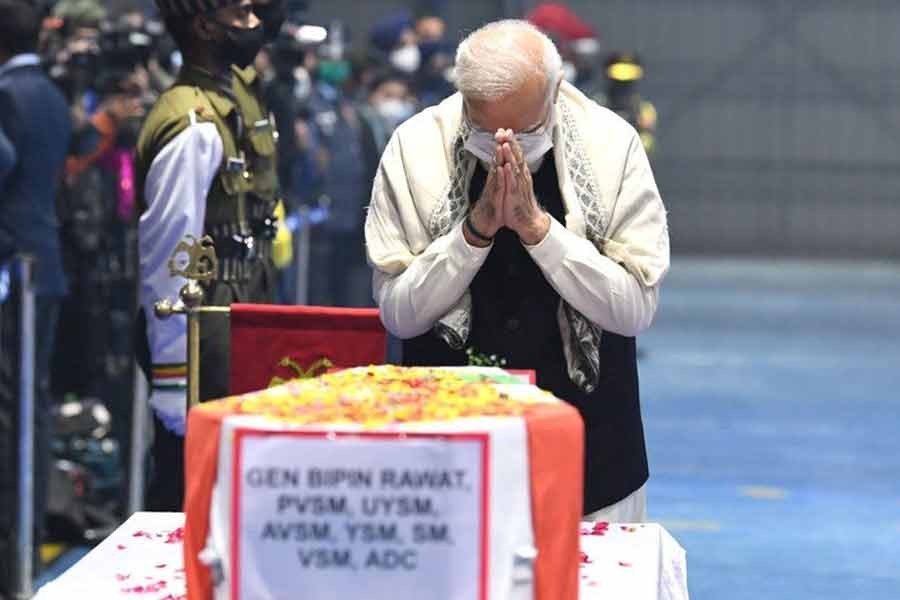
(34, 120)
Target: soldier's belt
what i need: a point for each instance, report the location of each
(240, 246)
(264, 227)
(239, 268)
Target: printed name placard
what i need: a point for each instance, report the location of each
(362, 515)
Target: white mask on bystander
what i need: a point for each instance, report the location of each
(395, 111)
(406, 59)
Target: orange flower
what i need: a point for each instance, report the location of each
(378, 396)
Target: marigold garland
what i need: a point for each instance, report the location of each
(382, 395)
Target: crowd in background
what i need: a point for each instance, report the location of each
(336, 96)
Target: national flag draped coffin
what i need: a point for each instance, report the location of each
(385, 482)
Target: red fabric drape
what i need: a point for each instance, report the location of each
(272, 343)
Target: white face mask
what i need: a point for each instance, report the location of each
(395, 111)
(302, 84)
(482, 145)
(406, 59)
(538, 143)
(535, 144)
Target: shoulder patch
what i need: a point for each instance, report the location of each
(199, 113)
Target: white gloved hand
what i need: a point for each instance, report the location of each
(170, 407)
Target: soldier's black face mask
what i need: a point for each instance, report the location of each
(272, 16)
(241, 45)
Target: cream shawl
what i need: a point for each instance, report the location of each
(423, 184)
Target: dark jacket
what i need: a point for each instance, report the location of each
(34, 117)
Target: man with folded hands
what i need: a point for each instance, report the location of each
(520, 219)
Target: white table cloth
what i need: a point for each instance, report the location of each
(142, 560)
(632, 562)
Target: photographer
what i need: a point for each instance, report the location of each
(35, 119)
(94, 357)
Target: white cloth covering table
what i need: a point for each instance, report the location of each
(631, 561)
(142, 560)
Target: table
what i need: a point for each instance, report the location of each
(142, 560)
(631, 561)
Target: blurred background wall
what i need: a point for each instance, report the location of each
(779, 120)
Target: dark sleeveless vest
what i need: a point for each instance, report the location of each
(514, 316)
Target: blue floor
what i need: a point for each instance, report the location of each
(772, 412)
(60, 565)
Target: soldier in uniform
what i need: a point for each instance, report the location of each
(205, 166)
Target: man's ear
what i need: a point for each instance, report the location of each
(559, 80)
(471, 109)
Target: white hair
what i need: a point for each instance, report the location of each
(498, 58)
